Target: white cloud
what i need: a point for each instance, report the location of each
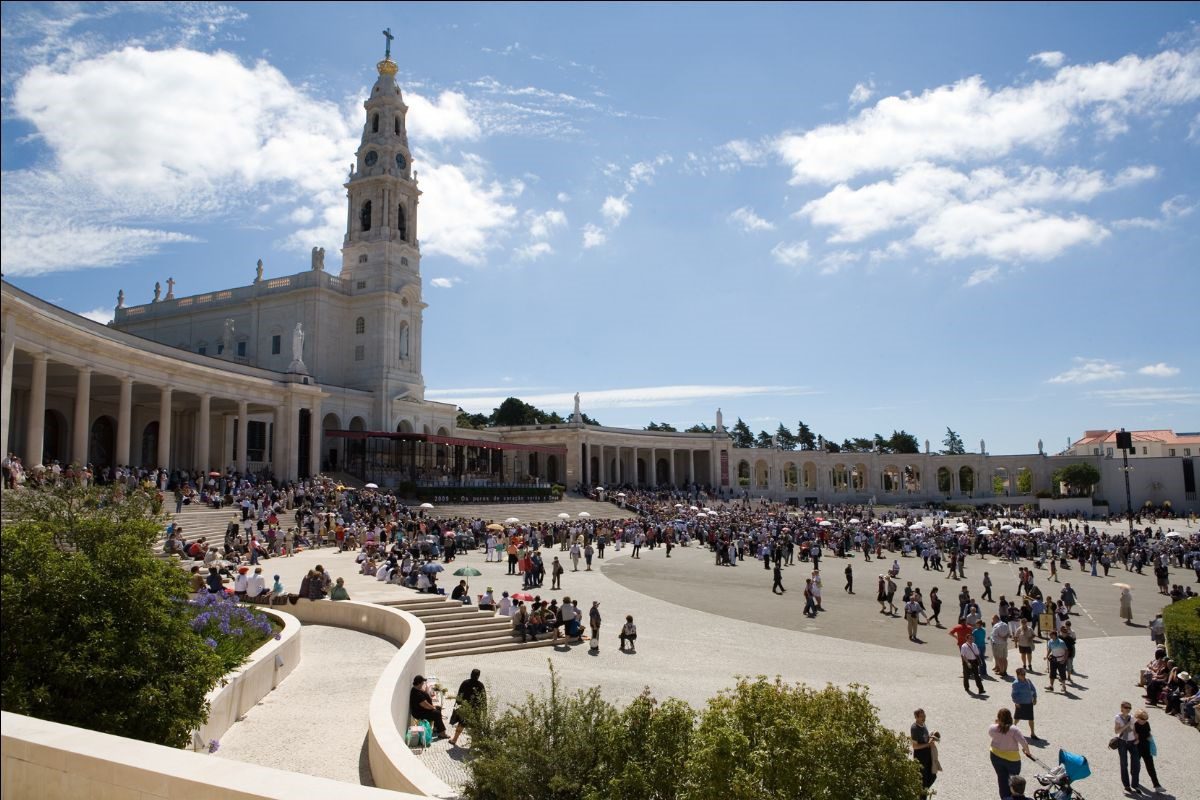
(641, 397)
(31, 247)
(790, 254)
(744, 152)
(833, 263)
(445, 283)
(447, 118)
(465, 210)
(1177, 206)
(861, 93)
(615, 209)
(1146, 396)
(563, 197)
(1050, 58)
(541, 226)
(749, 221)
(1088, 370)
(978, 230)
(534, 251)
(644, 171)
(1159, 370)
(968, 121)
(103, 315)
(982, 275)
(593, 236)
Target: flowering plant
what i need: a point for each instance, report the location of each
(230, 629)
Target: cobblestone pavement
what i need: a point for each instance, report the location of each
(692, 642)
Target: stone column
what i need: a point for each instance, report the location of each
(203, 432)
(164, 427)
(10, 352)
(585, 473)
(81, 430)
(124, 420)
(239, 453)
(293, 439)
(279, 439)
(691, 478)
(315, 438)
(671, 467)
(36, 427)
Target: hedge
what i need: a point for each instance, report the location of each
(1182, 622)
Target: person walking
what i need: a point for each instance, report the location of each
(777, 586)
(969, 654)
(849, 579)
(594, 624)
(1146, 748)
(912, 616)
(1007, 745)
(1056, 657)
(470, 701)
(810, 607)
(556, 571)
(935, 603)
(1024, 697)
(1024, 637)
(924, 749)
(1001, 633)
(1126, 738)
(1127, 605)
(987, 588)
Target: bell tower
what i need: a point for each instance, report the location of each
(381, 256)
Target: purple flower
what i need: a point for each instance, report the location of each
(211, 642)
(214, 746)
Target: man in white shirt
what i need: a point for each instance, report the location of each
(1001, 632)
(969, 654)
(256, 585)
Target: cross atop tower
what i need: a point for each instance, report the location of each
(387, 34)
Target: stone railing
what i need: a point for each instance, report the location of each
(301, 280)
(243, 688)
(49, 760)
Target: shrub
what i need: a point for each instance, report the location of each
(1182, 624)
(94, 629)
(231, 630)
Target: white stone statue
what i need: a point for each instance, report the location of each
(258, 272)
(120, 298)
(318, 259)
(298, 344)
(157, 291)
(720, 422)
(982, 448)
(577, 415)
(1041, 450)
(227, 337)
(404, 341)
(170, 288)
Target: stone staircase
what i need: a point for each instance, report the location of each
(453, 629)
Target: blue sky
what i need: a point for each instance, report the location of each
(865, 217)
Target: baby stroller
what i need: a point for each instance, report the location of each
(1056, 782)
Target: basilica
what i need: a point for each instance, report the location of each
(322, 372)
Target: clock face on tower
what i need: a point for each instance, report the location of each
(371, 158)
(400, 162)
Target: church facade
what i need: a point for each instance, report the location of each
(312, 371)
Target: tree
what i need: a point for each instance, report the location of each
(742, 437)
(473, 421)
(94, 631)
(902, 442)
(1078, 478)
(660, 426)
(953, 444)
(770, 740)
(787, 441)
(805, 437)
(700, 427)
(764, 440)
(515, 412)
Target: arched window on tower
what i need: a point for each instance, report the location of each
(402, 223)
(360, 326)
(375, 124)
(397, 121)
(364, 218)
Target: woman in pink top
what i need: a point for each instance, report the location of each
(1007, 745)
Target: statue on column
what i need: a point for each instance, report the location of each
(120, 298)
(157, 291)
(227, 338)
(982, 448)
(720, 422)
(258, 272)
(577, 416)
(926, 447)
(1041, 450)
(298, 343)
(170, 288)
(318, 259)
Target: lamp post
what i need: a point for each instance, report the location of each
(1124, 439)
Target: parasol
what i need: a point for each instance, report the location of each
(426, 505)
(371, 486)
(432, 566)
(584, 514)
(495, 526)
(511, 521)
(564, 515)
(468, 572)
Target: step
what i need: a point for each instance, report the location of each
(467, 636)
(483, 641)
(456, 625)
(445, 615)
(412, 603)
(493, 648)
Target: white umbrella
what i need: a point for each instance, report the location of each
(511, 521)
(855, 520)
(917, 526)
(825, 523)
(679, 505)
(426, 505)
(372, 486)
(983, 529)
(599, 488)
(584, 514)
(1174, 534)
(1018, 530)
(985, 532)
(961, 528)
(564, 515)
(1036, 530)
(620, 494)
(694, 508)
(1006, 527)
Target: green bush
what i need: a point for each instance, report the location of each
(94, 630)
(1182, 622)
(761, 740)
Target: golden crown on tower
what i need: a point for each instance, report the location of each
(387, 67)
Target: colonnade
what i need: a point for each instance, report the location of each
(639, 465)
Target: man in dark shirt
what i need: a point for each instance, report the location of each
(420, 705)
(471, 692)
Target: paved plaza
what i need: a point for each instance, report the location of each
(700, 625)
